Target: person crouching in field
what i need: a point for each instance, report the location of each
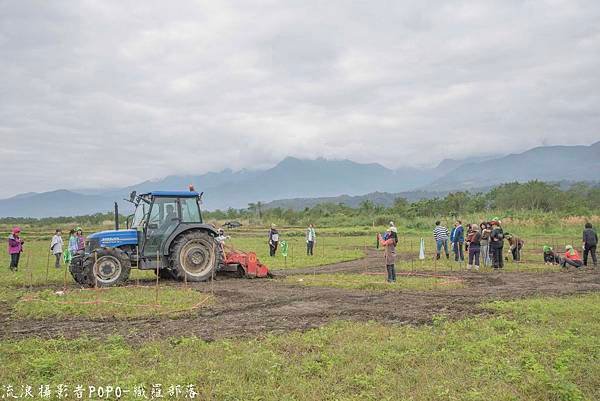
(15, 247)
(390, 252)
(474, 240)
(571, 258)
(550, 257)
(56, 247)
(516, 244)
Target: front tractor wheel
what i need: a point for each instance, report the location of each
(106, 267)
(194, 257)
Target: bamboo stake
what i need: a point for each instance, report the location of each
(157, 276)
(47, 265)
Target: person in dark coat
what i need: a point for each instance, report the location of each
(497, 244)
(458, 241)
(590, 241)
(273, 240)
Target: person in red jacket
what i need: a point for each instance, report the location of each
(571, 258)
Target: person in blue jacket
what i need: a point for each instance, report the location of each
(457, 237)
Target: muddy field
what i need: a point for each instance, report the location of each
(251, 308)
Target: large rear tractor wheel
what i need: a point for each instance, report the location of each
(194, 256)
(106, 267)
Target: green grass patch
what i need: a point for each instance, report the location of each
(328, 250)
(117, 302)
(371, 282)
(539, 349)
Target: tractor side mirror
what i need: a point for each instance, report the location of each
(132, 196)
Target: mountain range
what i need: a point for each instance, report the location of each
(307, 182)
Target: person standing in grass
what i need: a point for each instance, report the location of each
(73, 246)
(441, 235)
(485, 230)
(458, 241)
(80, 239)
(311, 238)
(15, 247)
(67, 256)
(273, 240)
(590, 241)
(497, 244)
(571, 258)
(474, 241)
(389, 245)
(56, 247)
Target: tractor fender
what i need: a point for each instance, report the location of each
(184, 228)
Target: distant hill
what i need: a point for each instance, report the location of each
(54, 204)
(546, 163)
(299, 181)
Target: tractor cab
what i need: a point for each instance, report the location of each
(160, 214)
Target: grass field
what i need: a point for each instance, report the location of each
(116, 303)
(536, 349)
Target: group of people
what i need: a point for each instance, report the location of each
(571, 256)
(311, 239)
(483, 243)
(76, 244)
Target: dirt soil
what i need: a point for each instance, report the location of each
(253, 308)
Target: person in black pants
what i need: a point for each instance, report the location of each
(273, 240)
(590, 241)
(497, 244)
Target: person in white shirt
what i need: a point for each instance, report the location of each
(56, 247)
(311, 238)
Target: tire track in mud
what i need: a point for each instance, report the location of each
(253, 308)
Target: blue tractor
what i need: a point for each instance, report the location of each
(166, 234)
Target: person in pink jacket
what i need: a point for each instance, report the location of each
(15, 247)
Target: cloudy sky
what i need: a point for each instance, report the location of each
(110, 93)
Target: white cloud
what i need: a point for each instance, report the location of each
(109, 93)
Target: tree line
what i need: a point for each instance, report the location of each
(579, 199)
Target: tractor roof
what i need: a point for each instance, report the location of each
(174, 194)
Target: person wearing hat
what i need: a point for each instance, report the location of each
(571, 258)
(516, 244)
(15, 247)
(497, 244)
(389, 255)
(550, 257)
(273, 240)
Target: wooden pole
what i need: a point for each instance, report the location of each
(157, 276)
(47, 265)
(30, 272)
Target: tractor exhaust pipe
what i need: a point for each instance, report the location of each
(116, 216)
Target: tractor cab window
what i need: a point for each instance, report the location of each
(141, 215)
(164, 213)
(190, 211)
